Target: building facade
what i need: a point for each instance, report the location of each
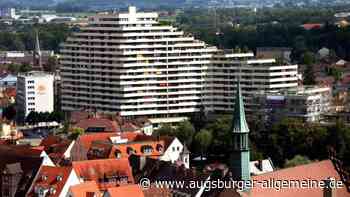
(307, 103)
(35, 92)
(131, 64)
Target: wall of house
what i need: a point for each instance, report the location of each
(72, 180)
(46, 160)
(172, 153)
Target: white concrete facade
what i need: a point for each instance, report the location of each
(35, 92)
(307, 103)
(129, 63)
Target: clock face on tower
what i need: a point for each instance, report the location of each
(41, 89)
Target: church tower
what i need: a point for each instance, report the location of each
(239, 158)
(37, 61)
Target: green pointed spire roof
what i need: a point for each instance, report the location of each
(239, 123)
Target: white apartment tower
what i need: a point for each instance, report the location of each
(129, 63)
(35, 92)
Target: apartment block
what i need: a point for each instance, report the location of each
(35, 92)
(308, 103)
(130, 64)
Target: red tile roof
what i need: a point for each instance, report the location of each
(158, 148)
(108, 125)
(99, 170)
(87, 139)
(86, 188)
(315, 171)
(154, 191)
(132, 190)
(310, 26)
(10, 92)
(55, 147)
(51, 177)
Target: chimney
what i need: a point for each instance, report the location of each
(194, 171)
(329, 189)
(260, 164)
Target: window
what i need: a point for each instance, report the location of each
(31, 98)
(173, 149)
(30, 82)
(30, 87)
(178, 148)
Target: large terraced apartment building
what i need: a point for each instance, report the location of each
(131, 64)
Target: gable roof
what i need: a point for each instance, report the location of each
(132, 190)
(51, 178)
(315, 171)
(83, 189)
(97, 170)
(105, 124)
(29, 160)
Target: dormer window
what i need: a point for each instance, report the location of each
(147, 149)
(159, 148)
(44, 177)
(59, 178)
(117, 154)
(52, 190)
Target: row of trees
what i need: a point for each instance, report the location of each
(51, 35)
(269, 27)
(288, 143)
(35, 117)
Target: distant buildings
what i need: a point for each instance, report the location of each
(280, 53)
(35, 92)
(308, 104)
(8, 13)
(129, 63)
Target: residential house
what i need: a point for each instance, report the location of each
(53, 182)
(105, 172)
(86, 189)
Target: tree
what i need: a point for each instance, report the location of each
(32, 118)
(164, 130)
(185, 132)
(203, 139)
(75, 133)
(220, 130)
(297, 160)
(9, 112)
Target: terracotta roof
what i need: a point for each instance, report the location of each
(310, 26)
(29, 160)
(51, 178)
(86, 188)
(77, 116)
(55, 147)
(87, 139)
(132, 190)
(118, 170)
(136, 148)
(154, 191)
(315, 171)
(10, 92)
(106, 125)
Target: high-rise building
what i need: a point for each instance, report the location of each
(256, 75)
(35, 92)
(131, 64)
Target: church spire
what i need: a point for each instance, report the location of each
(37, 52)
(240, 154)
(239, 123)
